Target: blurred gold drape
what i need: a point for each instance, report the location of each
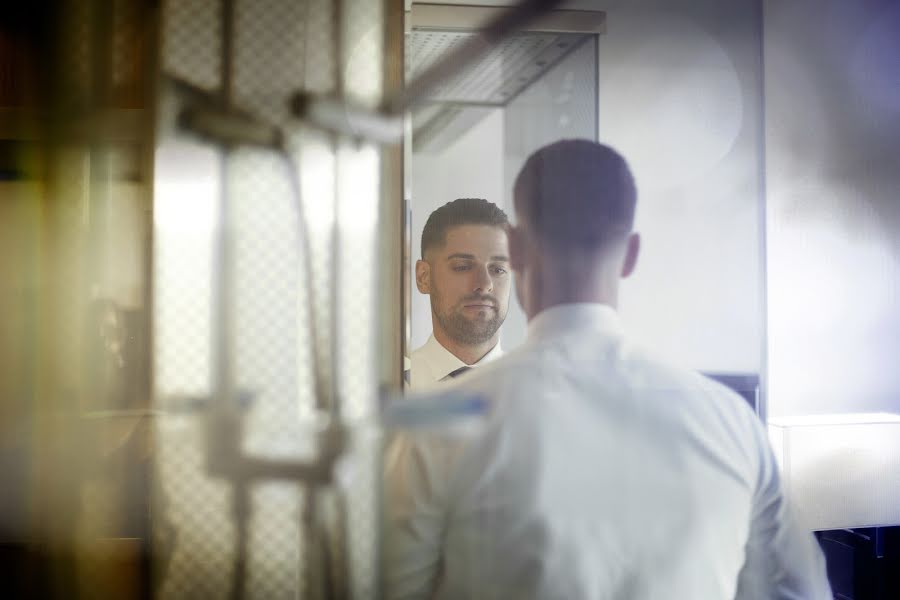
(76, 126)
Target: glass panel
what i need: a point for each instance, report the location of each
(470, 141)
(299, 224)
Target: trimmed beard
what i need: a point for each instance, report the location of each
(464, 331)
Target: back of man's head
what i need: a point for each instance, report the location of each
(462, 211)
(576, 194)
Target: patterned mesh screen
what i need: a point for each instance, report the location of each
(192, 38)
(281, 46)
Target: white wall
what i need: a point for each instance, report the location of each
(471, 167)
(680, 97)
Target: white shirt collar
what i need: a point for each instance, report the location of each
(432, 362)
(563, 319)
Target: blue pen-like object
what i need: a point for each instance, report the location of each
(432, 410)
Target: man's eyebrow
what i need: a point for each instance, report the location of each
(497, 258)
(461, 255)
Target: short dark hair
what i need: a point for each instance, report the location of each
(576, 193)
(462, 211)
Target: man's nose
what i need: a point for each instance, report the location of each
(484, 282)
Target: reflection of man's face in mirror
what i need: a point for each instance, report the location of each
(468, 280)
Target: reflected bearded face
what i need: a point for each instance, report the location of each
(469, 283)
(472, 320)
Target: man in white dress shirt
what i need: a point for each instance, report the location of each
(464, 270)
(597, 471)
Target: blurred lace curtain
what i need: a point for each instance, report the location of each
(110, 229)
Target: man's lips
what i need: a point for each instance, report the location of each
(479, 305)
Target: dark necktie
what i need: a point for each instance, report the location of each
(459, 372)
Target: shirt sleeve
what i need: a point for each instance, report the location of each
(417, 470)
(783, 560)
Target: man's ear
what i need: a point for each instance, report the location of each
(632, 249)
(516, 248)
(423, 277)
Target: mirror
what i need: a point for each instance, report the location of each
(474, 134)
(680, 96)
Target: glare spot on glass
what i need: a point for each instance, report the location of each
(316, 167)
(186, 198)
(358, 190)
(186, 190)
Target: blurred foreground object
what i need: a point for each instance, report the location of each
(76, 145)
